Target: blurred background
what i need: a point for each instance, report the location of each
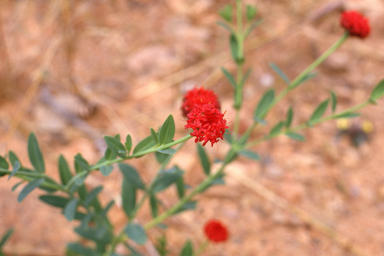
(74, 70)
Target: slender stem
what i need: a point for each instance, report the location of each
(118, 239)
(201, 248)
(185, 199)
(305, 125)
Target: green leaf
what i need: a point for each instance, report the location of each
(226, 26)
(79, 249)
(154, 136)
(168, 151)
(65, 173)
(227, 136)
(250, 12)
(13, 158)
(82, 191)
(187, 206)
(234, 46)
(16, 167)
(334, 101)
(3, 163)
(226, 13)
(245, 77)
(187, 249)
(277, 128)
(98, 234)
(82, 162)
(288, 122)
(319, 111)
(128, 143)
(165, 178)
(144, 145)
(35, 155)
(29, 188)
(250, 154)
(263, 105)
(306, 78)
(92, 195)
(281, 74)
(128, 197)
(17, 185)
(230, 78)
(109, 155)
(378, 91)
(106, 170)
(153, 204)
(131, 175)
(347, 115)
(180, 187)
(56, 201)
(136, 232)
(295, 136)
(167, 131)
(116, 146)
(204, 160)
(70, 209)
(5, 237)
(161, 157)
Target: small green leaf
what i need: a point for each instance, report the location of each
(16, 167)
(305, 78)
(128, 143)
(226, 26)
(226, 13)
(334, 101)
(153, 204)
(79, 249)
(230, 78)
(56, 201)
(128, 197)
(116, 146)
(3, 163)
(281, 74)
(13, 158)
(65, 173)
(29, 188)
(378, 91)
(187, 206)
(17, 185)
(165, 178)
(187, 249)
(131, 175)
(252, 27)
(5, 237)
(263, 105)
(106, 170)
(288, 122)
(250, 154)
(70, 209)
(245, 77)
(347, 115)
(204, 160)
(319, 111)
(168, 151)
(276, 129)
(82, 162)
(295, 136)
(234, 46)
(144, 145)
(167, 131)
(92, 195)
(136, 232)
(180, 187)
(251, 12)
(35, 155)
(154, 136)
(161, 157)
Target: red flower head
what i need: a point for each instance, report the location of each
(199, 96)
(207, 123)
(215, 231)
(355, 23)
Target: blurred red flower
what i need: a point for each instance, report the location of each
(216, 231)
(198, 96)
(355, 23)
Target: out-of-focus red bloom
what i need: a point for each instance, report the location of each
(216, 231)
(198, 96)
(207, 123)
(355, 23)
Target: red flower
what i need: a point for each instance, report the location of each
(199, 96)
(207, 123)
(355, 23)
(215, 231)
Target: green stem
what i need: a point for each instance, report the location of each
(185, 199)
(118, 239)
(201, 248)
(305, 125)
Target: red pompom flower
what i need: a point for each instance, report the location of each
(355, 23)
(198, 96)
(216, 231)
(207, 123)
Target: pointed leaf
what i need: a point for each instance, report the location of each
(82, 162)
(65, 173)
(128, 197)
(263, 105)
(180, 187)
(378, 91)
(3, 163)
(319, 111)
(347, 115)
(230, 78)
(168, 151)
(153, 204)
(187, 249)
(281, 74)
(295, 136)
(29, 188)
(288, 122)
(250, 154)
(92, 195)
(116, 146)
(106, 170)
(306, 78)
(16, 167)
(252, 27)
(226, 26)
(13, 158)
(234, 46)
(35, 155)
(161, 157)
(56, 201)
(204, 160)
(136, 232)
(154, 136)
(226, 13)
(167, 131)
(166, 178)
(277, 128)
(79, 249)
(5, 237)
(70, 209)
(245, 77)
(131, 175)
(144, 145)
(128, 143)
(334, 101)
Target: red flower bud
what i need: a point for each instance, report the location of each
(355, 23)
(207, 123)
(215, 231)
(199, 96)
